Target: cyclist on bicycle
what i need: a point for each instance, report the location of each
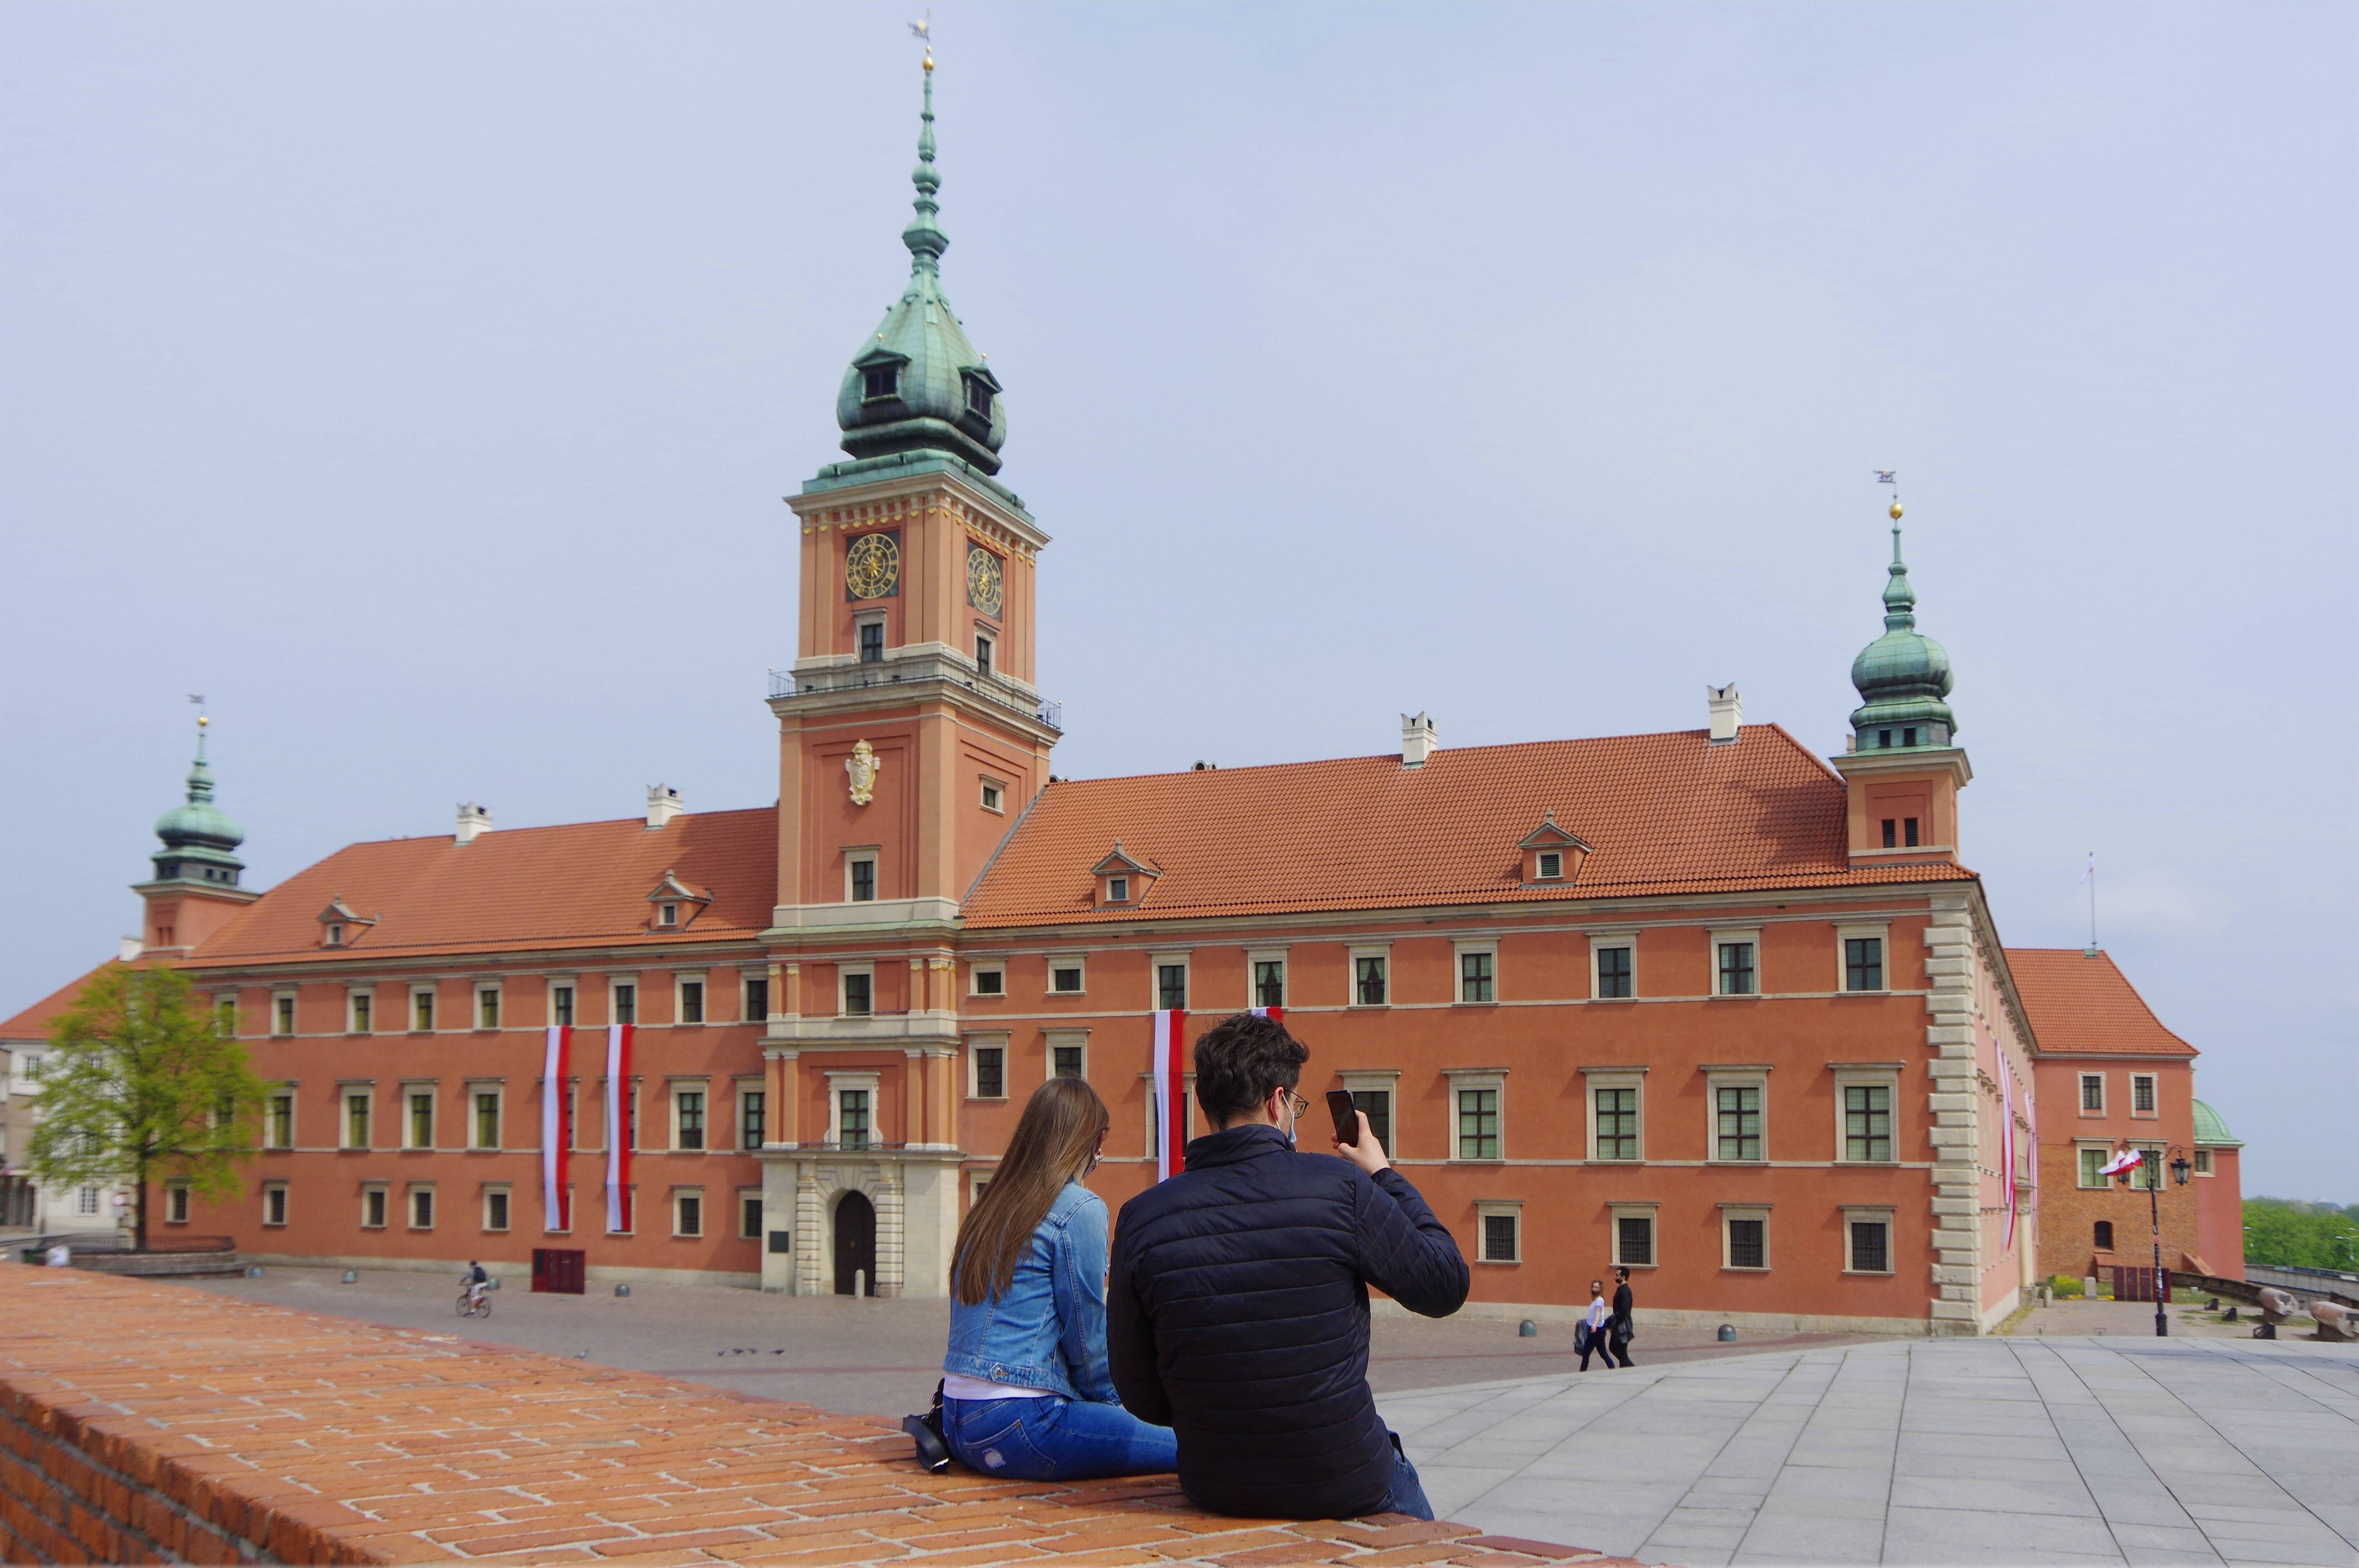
(474, 1279)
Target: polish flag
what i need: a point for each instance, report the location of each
(2128, 1160)
(556, 1137)
(1170, 1059)
(2006, 1144)
(618, 1125)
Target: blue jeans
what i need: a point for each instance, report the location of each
(1408, 1494)
(1055, 1440)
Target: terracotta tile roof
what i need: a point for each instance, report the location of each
(581, 883)
(33, 1023)
(1666, 813)
(2079, 1004)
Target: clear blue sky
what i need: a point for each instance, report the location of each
(419, 382)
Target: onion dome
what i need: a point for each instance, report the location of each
(198, 834)
(1904, 675)
(917, 385)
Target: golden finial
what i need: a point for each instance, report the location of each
(1896, 512)
(924, 33)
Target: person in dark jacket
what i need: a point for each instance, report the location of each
(1237, 1304)
(1617, 1327)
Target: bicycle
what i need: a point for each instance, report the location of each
(475, 1301)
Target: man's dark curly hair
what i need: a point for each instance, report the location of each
(1240, 1060)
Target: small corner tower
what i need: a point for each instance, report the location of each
(195, 889)
(1901, 758)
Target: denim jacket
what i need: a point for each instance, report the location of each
(1048, 1328)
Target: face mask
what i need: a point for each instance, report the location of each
(1289, 1121)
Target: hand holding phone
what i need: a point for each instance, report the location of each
(1353, 1139)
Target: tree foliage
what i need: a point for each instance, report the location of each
(2297, 1235)
(144, 1083)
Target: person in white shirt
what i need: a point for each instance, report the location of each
(1594, 1342)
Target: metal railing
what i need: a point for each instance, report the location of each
(910, 672)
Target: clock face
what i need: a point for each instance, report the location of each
(872, 567)
(984, 587)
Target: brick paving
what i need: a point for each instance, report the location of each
(143, 1421)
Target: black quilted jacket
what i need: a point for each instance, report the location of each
(1237, 1314)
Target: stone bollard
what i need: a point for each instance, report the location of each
(622, 1289)
(859, 1283)
(2089, 1287)
(1728, 1333)
(1527, 1329)
(352, 1277)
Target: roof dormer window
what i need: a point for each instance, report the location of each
(667, 915)
(978, 397)
(1550, 853)
(1117, 889)
(336, 936)
(341, 924)
(1552, 865)
(676, 903)
(1122, 878)
(881, 381)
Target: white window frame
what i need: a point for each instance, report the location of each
(1596, 1078)
(269, 1106)
(345, 1094)
(1750, 1075)
(694, 1086)
(354, 996)
(1599, 942)
(2081, 1093)
(985, 788)
(1258, 956)
(1055, 1039)
(410, 1207)
(1156, 964)
(703, 1214)
(2153, 1082)
(986, 637)
(1731, 935)
(1541, 872)
(487, 989)
(978, 967)
(1510, 1208)
(1865, 1075)
(1073, 961)
(1880, 931)
(497, 1087)
(975, 1181)
(615, 986)
(433, 1006)
(1864, 1214)
(433, 1094)
(2204, 1163)
(754, 1195)
(845, 972)
(275, 1190)
(1117, 888)
(839, 1080)
(1463, 1080)
(554, 984)
(883, 623)
(873, 854)
(998, 1041)
(177, 1203)
(2081, 1146)
(1383, 1081)
(1760, 1211)
(741, 1087)
(680, 982)
(506, 1191)
(1650, 1212)
(286, 1009)
(382, 1190)
(1460, 952)
(1384, 952)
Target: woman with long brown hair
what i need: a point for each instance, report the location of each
(1027, 1392)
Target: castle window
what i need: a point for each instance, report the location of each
(667, 915)
(274, 1203)
(990, 1072)
(1477, 978)
(282, 1123)
(688, 1107)
(1908, 831)
(2093, 1093)
(852, 1114)
(373, 1208)
(981, 653)
(1552, 865)
(2092, 1167)
(859, 993)
(691, 1001)
(753, 1121)
(2142, 1096)
(1862, 963)
(1736, 971)
(688, 1213)
(871, 641)
(364, 1010)
(1747, 1241)
(1613, 970)
(1883, 739)
(862, 868)
(1908, 736)
(991, 796)
(758, 998)
(881, 381)
(2103, 1236)
(336, 936)
(1502, 1232)
(283, 1015)
(988, 981)
(1066, 979)
(627, 1004)
(560, 1004)
(2204, 1162)
(1172, 985)
(176, 1204)
(1370, 979)
(1478, 1124)
(1270, 982)
(1871, 1246)
(1867, 1121)
(496, 1208)
(1066, 1061)
(1117, 889)
(978, 397)
(1740, 1122)
(421, 1012)
(487, 1008)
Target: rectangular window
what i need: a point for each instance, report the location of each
(690, 1104)
(1552, 864)
(749, 1217)
(991, 796)
(487, 1008)
(1500, 1241)
(858, 999)
(1867, 1121)
(990, 1072)
(989, 982)
(871, 641)
(691, 1001)
(373, 1208)
(1478, 1124)
(356, 1119)
(2204, 1162)
(852, 1114)
(1172, 985)
(626, 1004)
(1067, 1061)
(86, 1201)
(1377, 1105)
(1633, 1240)
(758, 998)
(864, 879)
(422, 1119)
(1748, 1243)
(1739, 1133)
(1871, 1246)
(1370, 980)
(1862, 963)
(273, 1204)
(1908, 831)
(1065, 979)
(2092, 1165)
(496, 1208)
(1117, 889)
(1891, 827)
(282, 1122)
(1737, 969)
(880, 381)
(421, 1208)
(753, 1118)
(1475, 977)
(688, 1213)
(176, 1205)
(982, 654)
(561, 1005)
(2141, 1092)
(1613, 967)
(335, 935)
(1617, 1124)
(1270, 982)
(2147, 1172)
(667, 915)
(2092, 1091)
(363, 1008)
(487, 1119)
(283, 1015)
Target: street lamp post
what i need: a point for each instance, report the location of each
(2150, 1162)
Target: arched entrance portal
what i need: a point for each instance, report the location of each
(856, 1245)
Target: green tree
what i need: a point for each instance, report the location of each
(2293, 1234)
(141, 1083)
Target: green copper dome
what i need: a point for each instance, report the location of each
(2211, 1129)
(1904, 675)
(917, 385)
(198, 834)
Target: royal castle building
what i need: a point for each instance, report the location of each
(1698, 1002)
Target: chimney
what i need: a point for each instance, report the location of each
(473, 820)
(1727, 712)
(1418, 739)
(663, 804)
(129, 948)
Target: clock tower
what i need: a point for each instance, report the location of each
(911, 738)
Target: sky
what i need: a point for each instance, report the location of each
(419, 382)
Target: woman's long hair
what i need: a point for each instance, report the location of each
(1055, 1140)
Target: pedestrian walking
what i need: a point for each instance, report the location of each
(1619, 1326)
(1588, 1337)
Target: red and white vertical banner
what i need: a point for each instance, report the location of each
(618, 1125)
(2006, 1144)
(1171, 1092)
(1276, 1012)
(556, 1137)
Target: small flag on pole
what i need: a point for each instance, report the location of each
(2128, 1160)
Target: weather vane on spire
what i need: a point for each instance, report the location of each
(923, 31)
(198, 698)
(1892, 477)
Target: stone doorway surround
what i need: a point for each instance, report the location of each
(913, 1191)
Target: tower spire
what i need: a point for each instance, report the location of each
(1900, 598)
(924, 236)
(1904, 675)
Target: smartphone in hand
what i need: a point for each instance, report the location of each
(1346, 1115)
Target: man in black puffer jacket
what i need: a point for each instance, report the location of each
(1237, 1302)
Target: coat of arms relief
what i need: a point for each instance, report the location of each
(862, 767)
